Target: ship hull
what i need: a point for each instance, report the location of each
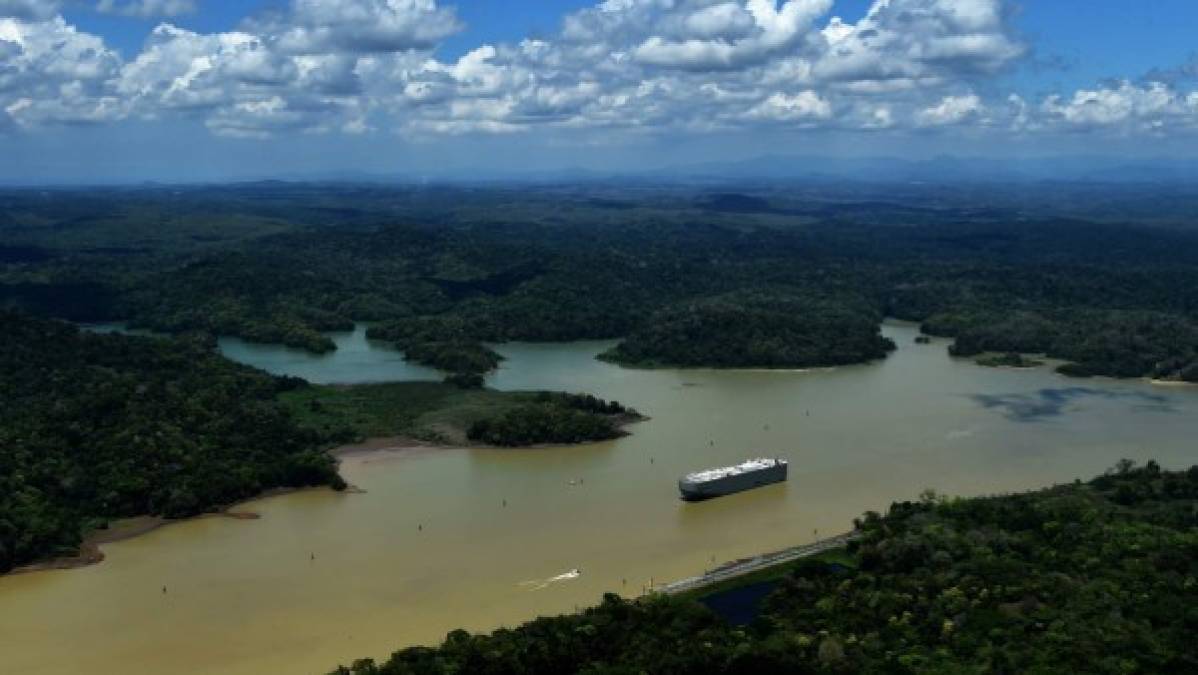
(694, 491)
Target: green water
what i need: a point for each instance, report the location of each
(430, 546)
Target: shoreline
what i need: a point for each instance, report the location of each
(735, 369)
(124, 529)
(91, 553)
(1156, 382)
(762, 561)
(387, 444)
(404, 443)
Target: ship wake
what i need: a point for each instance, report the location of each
(538, 584)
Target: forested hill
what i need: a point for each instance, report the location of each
(441, 269)
(1100, 577)
(95, 427)
(762, 329)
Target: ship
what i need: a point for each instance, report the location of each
(727, 480)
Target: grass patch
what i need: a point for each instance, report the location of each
(429, 411)
(1008, 360)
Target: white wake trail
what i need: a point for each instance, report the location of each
(538, 584)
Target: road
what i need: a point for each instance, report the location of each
(747, 565)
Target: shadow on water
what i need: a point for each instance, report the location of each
(729, 508)
(1054, 402)
(740, 606)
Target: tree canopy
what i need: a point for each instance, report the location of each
(96, 427)
(790, 274)
(1094, 577)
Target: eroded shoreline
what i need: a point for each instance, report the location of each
(91, 551)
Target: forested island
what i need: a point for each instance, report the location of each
(1095, 577)
(554, 418)
(762, 330)
(444, 343)
(446, 414)
(799, 276)
(1009, 360)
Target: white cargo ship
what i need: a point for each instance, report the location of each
(729, 479)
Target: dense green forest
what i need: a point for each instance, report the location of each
(1096, 577)
(554, 418)
(444, 343)
(1113, 342)
(96, 427)
(1008, 360)
(768, 330)
(1111, 290)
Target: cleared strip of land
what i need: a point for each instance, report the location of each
(738, 568)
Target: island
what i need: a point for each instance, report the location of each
(442, 343)
(755, 330)
(442, 414)
(1008, 360)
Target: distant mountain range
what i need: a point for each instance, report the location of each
(943, 169)
(947, 169)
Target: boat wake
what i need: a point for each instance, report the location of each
(538, 584)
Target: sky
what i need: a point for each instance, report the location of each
(178, 90)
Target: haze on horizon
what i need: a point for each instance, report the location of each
(175, 90)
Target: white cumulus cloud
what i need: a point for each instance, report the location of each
(146, 9)
(619, 66)
(729, 35)
(1152, 105)
(361, 26)
(952, 110)
(52, 72)
(28, 10)
(805, 105)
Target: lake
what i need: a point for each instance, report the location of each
(430, 545)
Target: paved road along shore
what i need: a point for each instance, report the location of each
(745, 566)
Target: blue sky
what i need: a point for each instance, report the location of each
(1079, 41)
(201, 89)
